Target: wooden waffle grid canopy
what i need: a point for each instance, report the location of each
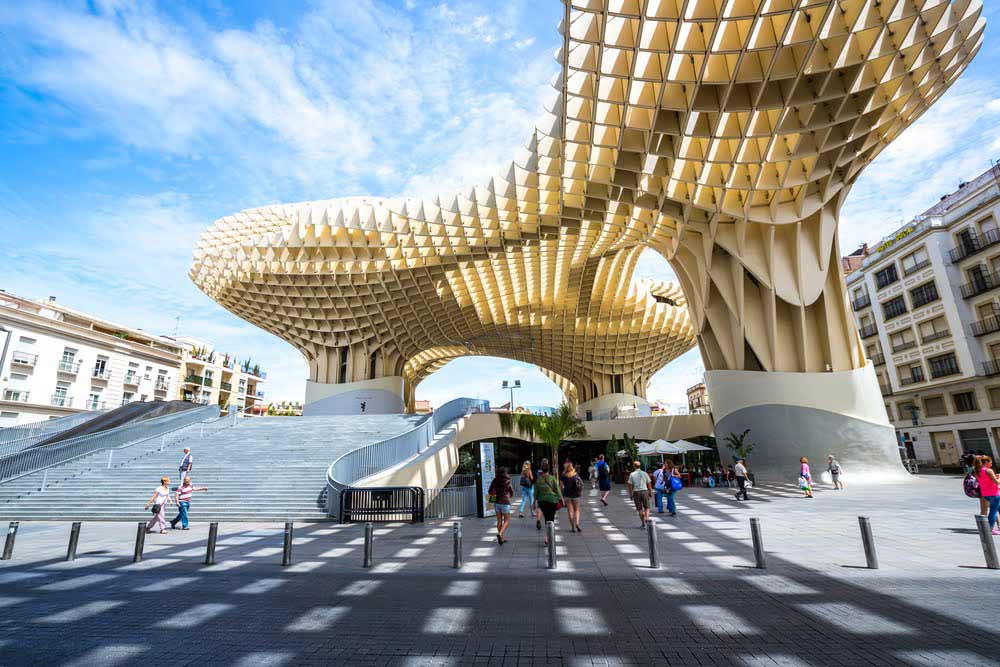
(722, 133)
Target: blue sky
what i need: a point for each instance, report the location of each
(127, 127)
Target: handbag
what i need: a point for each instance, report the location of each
(560, 505)
(676, 484)
(155, 508)
(492, 498)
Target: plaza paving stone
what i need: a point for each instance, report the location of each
(931, 603)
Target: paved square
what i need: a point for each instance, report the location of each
(931, 603)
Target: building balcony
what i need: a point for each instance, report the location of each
(945, 368)
(861, 302)
(917, 375)
(69, 367)
(908, 345)
(878, 359)
(982, 283)
(16, 395)
(937, 335)
(132, 379)
(194, 379)
(916, 267)
(973, 245)
(885, 389)
(868, 331)
(23, 358)
(988, 324)
(991, 367)
(161, 386)
(62, 400)
(226, 386)
(101, 374)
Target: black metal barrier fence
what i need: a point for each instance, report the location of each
(389, 503)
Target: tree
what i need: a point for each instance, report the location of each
(631, 449)
(563, 424)
(611, 452)
(740, 446)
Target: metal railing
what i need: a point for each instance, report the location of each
(193, 379)
(916, 375)
(23, 358)
(27, 461)
(131, 378)
(989, 324)
(868, 330)
(916, 267)
(61, 400)
(878, 358)
(16, 395)
(937, 335)
(991, 367)
(101, 374)
(457, 498)
(981, 282)
(972, 244)
(16, 438)
(377, 457)
(390, 503)
(72, 367)
(905, 345)
(861, 302)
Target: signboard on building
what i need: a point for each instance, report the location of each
(487, 471)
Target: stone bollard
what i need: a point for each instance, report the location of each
(758, 544)
(550, 532)
(8, 545)
(286, 552)
(986, 538)
(457, 532)
(654, 555)
(213, 537)
(140, 542)
(74, 539)
(369, 547)
(868, 540)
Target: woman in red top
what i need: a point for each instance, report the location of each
(988, 489)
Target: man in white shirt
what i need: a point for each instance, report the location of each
(187, 462)
(640, 486)
(742, 477)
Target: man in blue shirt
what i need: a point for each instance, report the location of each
(603, 478)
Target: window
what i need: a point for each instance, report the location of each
(943, 365)
(343, 365)
(858, 293)
(26, 342)
(372, 360)
(894, 307)
(886, 276)
(68, 361)
(18, 395)
(965, 401)
(906, 410)
(61, 396)
(101, 370)
(987, 225)
(934, 406)
(902, 340)
(127, 397)
(915, 261)
(993, 393)
(934, 329)
(924, 294)
(8, 417)
(94, 400)
(888, 411)
(19, 376)
(616, 384)
(911, 374)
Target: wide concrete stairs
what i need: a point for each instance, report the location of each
(264, 469)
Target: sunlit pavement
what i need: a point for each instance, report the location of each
(931, 603)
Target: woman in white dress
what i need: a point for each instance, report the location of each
(159, 500)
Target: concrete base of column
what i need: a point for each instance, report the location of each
(378, 396)
(791, 415)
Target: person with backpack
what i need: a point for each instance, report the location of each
(833, 467)
(527, 489)
(547, 494)
(572, 489)
(500, 492)
(603, 478)
(989, 489)
(660, 484)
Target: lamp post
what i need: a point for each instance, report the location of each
(511, 385)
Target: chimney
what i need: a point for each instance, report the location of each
(52, 298)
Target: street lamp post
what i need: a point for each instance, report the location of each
(511, 385)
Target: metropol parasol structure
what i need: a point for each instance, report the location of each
(724, 134)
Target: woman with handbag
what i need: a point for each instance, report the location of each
(572, 489)
(527, 489)
(548, 495)
(159, 501)
(672, 484)
(501, 492)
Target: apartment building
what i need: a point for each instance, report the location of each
(927, 304)
(55, 361)
(698, 403)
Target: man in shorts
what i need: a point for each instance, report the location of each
(641, 487)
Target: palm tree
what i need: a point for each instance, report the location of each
(563, 424)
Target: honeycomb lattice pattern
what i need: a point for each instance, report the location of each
(723, 133)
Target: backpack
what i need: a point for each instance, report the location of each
(578, 483)
(971, 486)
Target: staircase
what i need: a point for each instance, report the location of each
(263, 469)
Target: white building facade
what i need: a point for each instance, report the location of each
(927, 305)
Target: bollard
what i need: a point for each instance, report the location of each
(985, 536)
(213, 536)
(550, 532)
(8, 545)
(654, 556)
(868, 540)
(286, 555)
(369, 538)
(140, 542)
(110, 454)
(45, 477)
(74, 539)
(758, 544)
(457, 532)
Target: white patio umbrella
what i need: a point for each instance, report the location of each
(685, 446)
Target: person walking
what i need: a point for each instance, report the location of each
(833, 467)
(500, 492)
(547, 494)
(640, 487)
(989, 489)
(660, 483)
(159, 501)
(527, 489)
(592, 473)
(805, 477)
(183, 499)
(187, 463)
(572, 489)
(671, 487)
(603, 478)
(742, 478)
